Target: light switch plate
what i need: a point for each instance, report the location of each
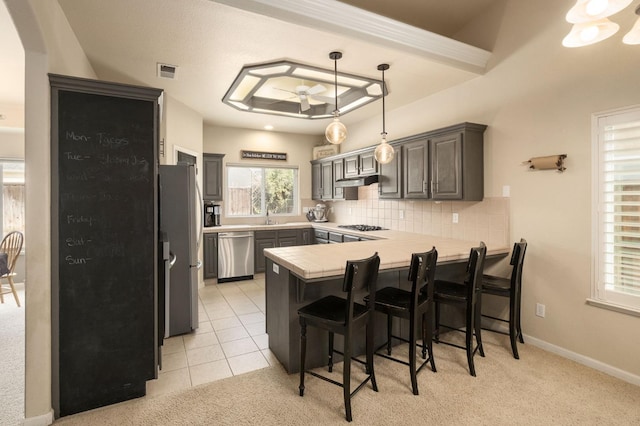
(276, 268)
(454, 218)
(506, 191)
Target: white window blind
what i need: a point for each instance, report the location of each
(617, 213)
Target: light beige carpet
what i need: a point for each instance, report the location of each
(539, 389)
(12, 358)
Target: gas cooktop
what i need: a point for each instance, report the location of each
(363, 227)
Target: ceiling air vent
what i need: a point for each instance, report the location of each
(167, 71)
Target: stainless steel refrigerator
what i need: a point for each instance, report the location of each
(178, 220)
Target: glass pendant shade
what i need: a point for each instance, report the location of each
(336, 132)
(633, 36)
(384, 152)
(590, 33)
(592, 10)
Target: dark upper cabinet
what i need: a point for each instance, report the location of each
(212, 177)
(327, 180)
(360, 164)
(322, 180)
(368, 163)
(338, 173)
(210, 252)
(352, 166)
(457, 163)
(390, 184)
(316, 181)
(415, 165)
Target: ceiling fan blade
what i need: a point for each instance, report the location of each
(318, 88)
(284, 90)
(304, 103)
(325, 99)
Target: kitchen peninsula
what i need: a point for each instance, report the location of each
(296, 276)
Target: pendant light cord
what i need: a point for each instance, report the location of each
(383, 68)
(335, 83)
(335, 56)
(384, 130)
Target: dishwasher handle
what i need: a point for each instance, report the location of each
(235, 235)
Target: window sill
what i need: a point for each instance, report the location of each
(614, 307)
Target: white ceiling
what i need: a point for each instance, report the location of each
(210, 42)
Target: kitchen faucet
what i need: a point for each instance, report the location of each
(268, 221)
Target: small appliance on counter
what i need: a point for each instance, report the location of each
(212, 214)
(319, 213)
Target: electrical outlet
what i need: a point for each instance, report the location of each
(401, 214)
(276, 268)
(454, 218)
(506, 191)
(540, 308)
(350, 211)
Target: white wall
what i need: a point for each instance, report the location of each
(537, 99)
(50, 46)
(299, 150)
(12, 143)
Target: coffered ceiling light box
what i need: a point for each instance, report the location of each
(295, 90)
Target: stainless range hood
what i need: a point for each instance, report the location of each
(357, 181)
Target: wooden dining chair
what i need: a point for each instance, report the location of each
(510, 288)
(414, 305)
(466, 296)
(346, 317)
(11, 246)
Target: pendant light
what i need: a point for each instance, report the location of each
(336, 132)
(592, 10)
(384, 152)
(633, 36)
(587, 33)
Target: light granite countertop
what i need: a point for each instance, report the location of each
(394, 248)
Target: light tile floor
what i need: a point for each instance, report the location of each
(230, 339)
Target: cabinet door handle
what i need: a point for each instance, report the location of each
(424, 186)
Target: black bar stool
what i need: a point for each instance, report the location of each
(345, 317)
(467, 296)
(510, 288)
(415, 306)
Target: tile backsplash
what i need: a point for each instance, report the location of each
(486, 220)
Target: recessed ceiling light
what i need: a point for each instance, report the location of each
(3, 117)
(268, 127)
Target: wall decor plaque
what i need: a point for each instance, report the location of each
(323, 151)
(264, 155)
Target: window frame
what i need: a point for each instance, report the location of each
(600, 296)
(296, 189)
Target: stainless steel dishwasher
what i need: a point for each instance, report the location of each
(235, 256)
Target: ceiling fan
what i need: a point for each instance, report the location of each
(304, 93)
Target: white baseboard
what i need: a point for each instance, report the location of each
(42, 420)
(584, 360)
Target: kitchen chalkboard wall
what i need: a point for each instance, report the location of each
(104, 250)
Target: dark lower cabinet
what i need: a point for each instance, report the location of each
(210, 252)
(322, 236)
(346, 238)
(262, 240)
(287, 238)
(306, 236)
(279, 238)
